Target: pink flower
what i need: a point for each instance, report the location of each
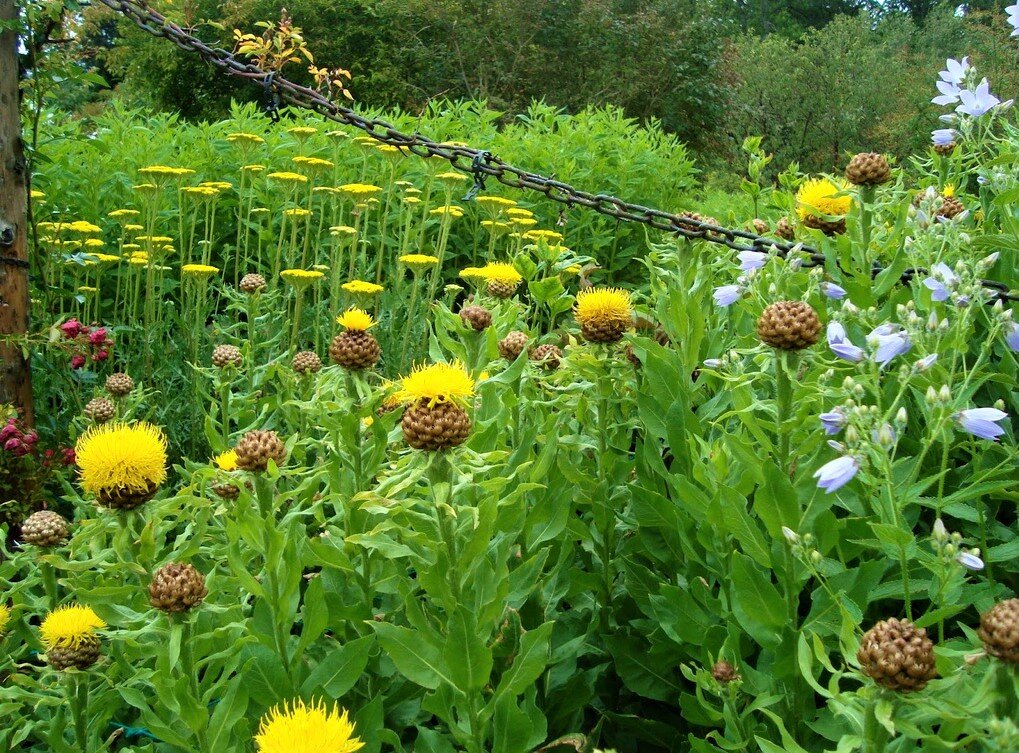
(31, 438)
(101, 355)
(71, 328)
(77, 361)
(12, 444)
(97, 336)
(69, 457)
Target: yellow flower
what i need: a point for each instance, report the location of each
(285, 177)
(494, 226)
(121, 457)
(948, 191)
(314, 163)
(146, 188)
(603, 306)
(226, 461)
(297, 212)
(219, 185)
(495, 203)
(411, 200)
(87, 289)
(253, 168)
(473, 273)
(518, 212)
(93, 243)
(452, 211)
(359, 189)
(163, 172)
(820, 196)
(500, 272)
(80, 226)
(302, 132)
(106, 258)
(342, 230)
(483, 376)
(117, 214)
(154, 239)
(362, 287)
(355, 319)
(549, 236)
(437, 383)
(303, 728)
(337, 135)
(198, 270)
(366, 422)
(244, 138)
(451, 177)
(36, 194)
(138, 261)
(202, 192)
(5, 617)
(133, 228)
(523, 221)
(301, 276)
(417, 262)
(65, 627)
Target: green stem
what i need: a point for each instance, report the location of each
(224, 407)
(785, 361)
(607, 514)
(874, 734)
(49, 580)
(77, 699)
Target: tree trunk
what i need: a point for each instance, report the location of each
(15, 378)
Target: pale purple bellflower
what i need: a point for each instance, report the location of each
(837, 473)
(1013, 18)
(888, 341)
(977, 102)
(727, 295)
(833, 291)
(942, 278)
(751, 260)
(833, 421)
(943, 136)
(840, 345)
(969, 561)
(1012, 337)
(981, 422)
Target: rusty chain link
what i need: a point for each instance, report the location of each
(479, 163)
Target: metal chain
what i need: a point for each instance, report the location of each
(477, 162)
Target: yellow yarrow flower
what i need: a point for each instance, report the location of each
(304, 728)
(297, 212)
(417, 262)
(549, 236)
(451, 177)
(106, 258)
(359, 189)
(94, 243)
(521, 222)
(154, 238)
(496, 203)
(245, 138)
(253, 168)
(198, 270)
(494, 226)
(821, 196)
(118, 214)
(473, 273)
(121, 457)
(163, 172)
(301, 276)
(519, 212)
(302, 132)
(362, 287)
(356, 320)
(337, 135)
(453, 211)
(66, 627)
(437, 383)
(81, 226)
(87, 289)
(219, 185)
(342, 230)
(314, 163)
(202, 192)
(286, 177)
(133, 228)
(226, 461)
(603, 306)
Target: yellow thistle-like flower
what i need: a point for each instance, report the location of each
(361, 287)
(355, 319)
(821, 196)
(119, 214)
(437, 383)
(245, 138)
(285, 177)
(226, 461)
(418, 262)
(500, 272)
(121, 457)
(359, 189)
(948, 191)
(306, 728)
(297, 212)
(302, 132)
(549, 236)
(5, 617)
(603, 306)
(301, 276)
(65, 627)
(453, 211)
(198, 270)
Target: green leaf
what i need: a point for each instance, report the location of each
(756, 603)
(467, 658)
(340, 669)
(415, 654)
(529, 662)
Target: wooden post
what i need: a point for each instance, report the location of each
(15, 377)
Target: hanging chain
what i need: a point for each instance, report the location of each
(479, 163)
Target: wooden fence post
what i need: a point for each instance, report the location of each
(15, 377)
